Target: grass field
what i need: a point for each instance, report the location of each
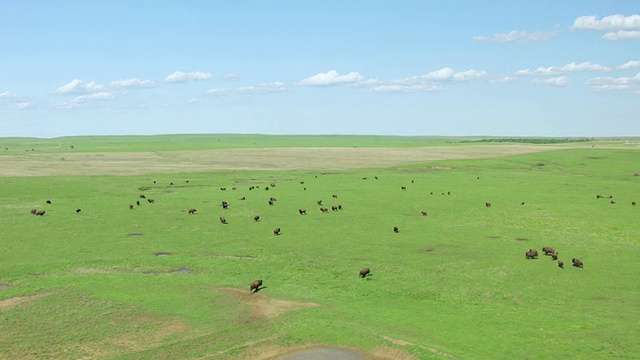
(452, 284)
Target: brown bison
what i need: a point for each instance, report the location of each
(225, 205)
(522, 203)
(560, 264)
(531, 254)
(273, 185)
(138, 202)
(548, 250)
(48, 201)
(334, 208)
(142, 196)
(365, 272)
(339, 207)
(334, 196)
(319, 202)
(34, 211)
(151, 201)
(130, 206)
(223, 220)
(487, 204)
(613, 202)
(403, 187)
(633, 203)
(243, 198)
(41, 213)
(192, 211)
(255, 286)
(424, 213)
(302, 211)
(577, 262)
(395, 229)
(324, 209)
(554, 256)
(223, 188)
(78, 211)
(273, 199)
(599, 196)
(270, 202)
(256, 218)
(276, 231)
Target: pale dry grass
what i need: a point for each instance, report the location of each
(293, 158)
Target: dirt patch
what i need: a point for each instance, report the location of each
(293, 158)
(442, 167)
(264, 306)
(427, 250)
(320, 352)
(230, 256)
(16, 301)
(162, 254)
(407, 343)
(135, 234)
(520, 239)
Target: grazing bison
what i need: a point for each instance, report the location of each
(560, 264)
(138, 202)
(633, 203)
(548, 250)
(395, 229)
(273, 199)
(255, 286)
(256, 218)
(142, 196)
(424, 213)
(243, 198)
(577, 262)
(339, 207)
(34, 211)
(531, 254)
(225, 205)
(192, 211)
(487, 204)
(41, 213)
(302, 211)
(319, 202)
(522, 203)
(223, 188)
(223, 220)
(151, 201)
(403, 187)
(599, 197)
(613, 202)
(273, 185)
(270, 202)
(48, 201)
(334, 196)
(130, 206)
(334, 208)
(78, 211)
(365, 272)
(324, 209)
(554, 256)
(276, 231)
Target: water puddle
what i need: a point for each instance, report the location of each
(183, 271)
(324, 354)
(162, 254)
(4, 287)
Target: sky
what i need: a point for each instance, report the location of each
(566, 68)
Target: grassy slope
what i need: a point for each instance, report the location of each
(455, 280)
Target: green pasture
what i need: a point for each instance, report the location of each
(454, 283)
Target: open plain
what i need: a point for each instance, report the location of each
(135, 275)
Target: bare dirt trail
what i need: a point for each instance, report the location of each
(293, 158)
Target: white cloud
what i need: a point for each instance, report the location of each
(406, 88)
(622, 35)
(540, 71)
(633, 64)
(77, 86)
(180, 76)
(331, 78)
(440, 74)
(613, 83)
(469, 75)
(558, 81)
(231, 77)
(7, 95)
(516, 35)
(617, 21)
(502, 79)
(131, 83)
(249, 90)
(585, 66)
(24, 105)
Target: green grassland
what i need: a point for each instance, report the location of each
(452, 284)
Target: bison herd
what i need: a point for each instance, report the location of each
(549, 251)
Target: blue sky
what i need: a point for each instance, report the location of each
(506, 68)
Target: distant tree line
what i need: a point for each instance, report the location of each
(532, 140)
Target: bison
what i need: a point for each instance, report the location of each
(560, 264)
(554, 256)
(225, 205)
(273, 199)
(138, 202)
(319, 202)
(599, 196)
(276, 231)
(365, 272)
(78, 211)
(531, 254)
(192, 211)
(424, 213)
(334, 208)
(255, 286)
(577, 262)
(324, 209)
(403, 187)
(548, 250)
(395, 229)
(339, 207)
(41, 213)
(522, 203)
(34, 211)
(334, 196)
(223, 188)
(223, 220)
(142, 196)
(302, 211)
(270, 202)
(130, 206)
(487, 204)
(633, 203)
(256, 218)
(151, 201)
(48, 201)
